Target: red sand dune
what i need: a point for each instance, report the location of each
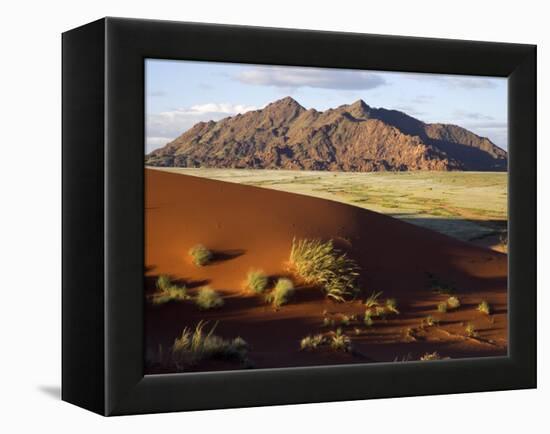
(251, 227)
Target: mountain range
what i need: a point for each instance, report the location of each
(354, 137)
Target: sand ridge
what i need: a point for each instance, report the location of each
(249, 227)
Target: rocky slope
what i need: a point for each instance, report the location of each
(355, 137)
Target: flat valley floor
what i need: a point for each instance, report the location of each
(418, 238)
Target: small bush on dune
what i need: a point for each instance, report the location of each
(442, 307)
(431, 356)
(453, 302)
(167, 291)
(200, 255)
(372, 301)
(284, 289)
(319, 263)
(470, 330)
(256, 281)
(311, 342)
(367, 320)
(391, 306)
(207, 298)
(484, 307)
(340, 342)
(197, 345)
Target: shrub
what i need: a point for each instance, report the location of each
(372, 301)
(256, 281)
(167, 291)
(471, 331)
(284, 289)
(430, 321)
(442, 307)
(311, 342)
(391, 306)
(201, 255)
(453, 302)
(367, 320)
(319, 263)
(431, 356)
(340, 342)
(197, 345)
(207, 298)
(484, 307)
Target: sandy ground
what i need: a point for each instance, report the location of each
(470, 206)
(250, 227)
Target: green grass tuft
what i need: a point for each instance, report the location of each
(284, 289)
(340, 342)
(391, 306)
(200, 255)
(196, 345)
(167, 291)
(431, 356)
(453, 302)
(319, 263)
(471, 331)
(310, 343)
(256, 281)
(442, 307)
(484, 307)
(207, 298)
(372, 301)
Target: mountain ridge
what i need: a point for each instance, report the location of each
(351, 137)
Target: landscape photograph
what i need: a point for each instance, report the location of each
(302, 217)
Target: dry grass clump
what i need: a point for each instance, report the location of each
(319, 263)
(442, 307)
(367, 320)
(429, 321)
(256, 281)
(484, 307)
(391, 306)
(200, 255)
(453, 302)
(471, 331)
(207, 298)
(310, 343)
(284, 289)
(168, 291)
(340, 342)
(431, 356)
(372, 301)
(196, 345)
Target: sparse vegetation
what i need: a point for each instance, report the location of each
(284, 289)
(200, 255)
(310, 343)
(391, 306)
(207, 298)
(431, 356)
(256, 281)
(442, 307)
(367, 320)
(340, 342)
(319, 263)
(168, 291)
(484, 307)
(429, 321)
(196, 345)
(372, 301)
(471, 331)
(453, 302)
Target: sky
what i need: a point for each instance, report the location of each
(181, 93)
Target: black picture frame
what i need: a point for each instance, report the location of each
(103, 223)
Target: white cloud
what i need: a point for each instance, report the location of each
(462, 82)
(164, 127)
(464, 114)
(292, 78)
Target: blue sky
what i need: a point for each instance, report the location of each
(182, 93)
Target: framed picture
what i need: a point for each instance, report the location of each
(257, 216)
